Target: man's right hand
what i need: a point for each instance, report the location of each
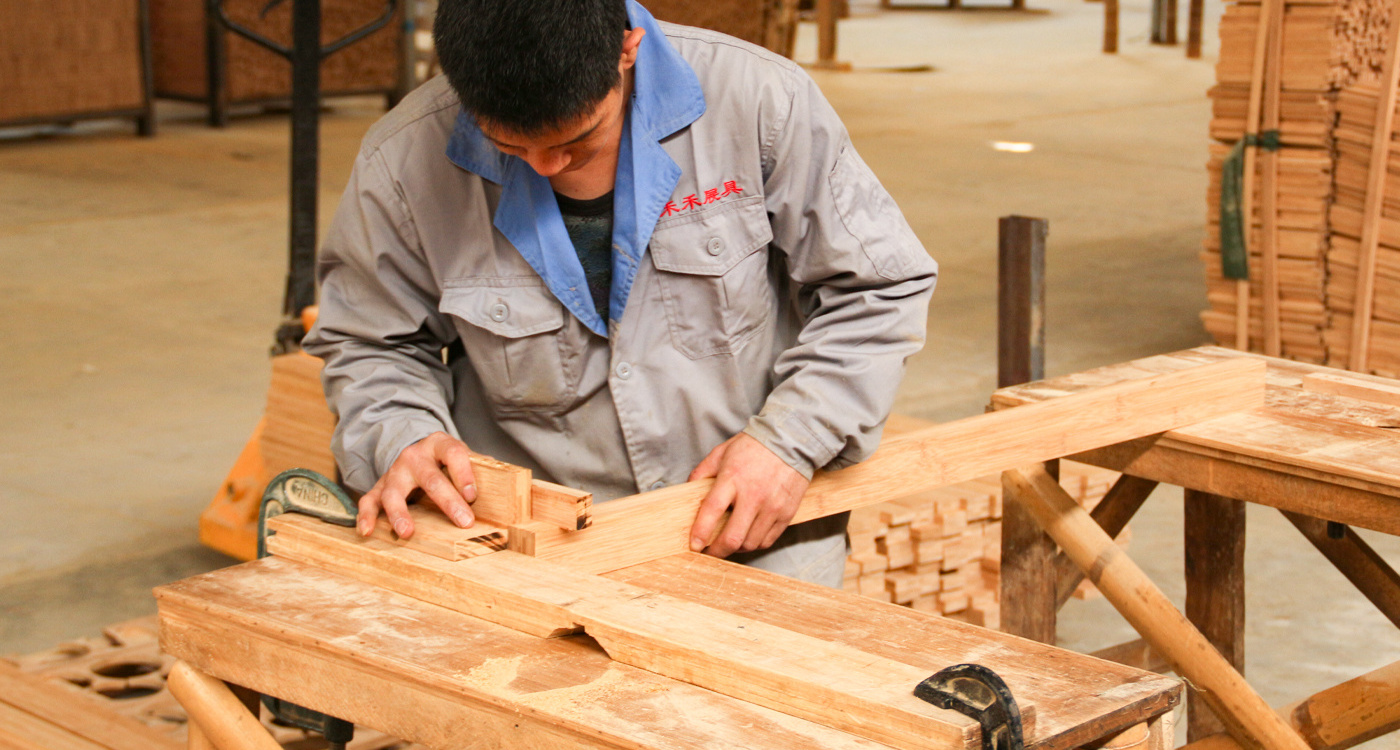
(441, 466)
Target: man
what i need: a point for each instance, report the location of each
(625, 255)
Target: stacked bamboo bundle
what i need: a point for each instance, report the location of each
(1317, 85)
(939, 551)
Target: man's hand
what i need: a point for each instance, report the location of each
(441, 466)
(761, 489)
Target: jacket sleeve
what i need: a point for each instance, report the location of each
(379, 329)
(863, 285)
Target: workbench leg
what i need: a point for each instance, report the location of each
(1161, 732)
(221, 717)
(1215, 536)
(1028, 605)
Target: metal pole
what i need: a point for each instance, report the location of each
(305, 159)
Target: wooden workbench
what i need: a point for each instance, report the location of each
(1311, 452)
(449, 680)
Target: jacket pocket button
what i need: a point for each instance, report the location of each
(499, 312)
(623, 370)
(715, 246)
(658, 484)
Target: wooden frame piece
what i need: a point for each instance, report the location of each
(1214, 553)
(1112, 514)
(657, 524)
(1268, 189)
(503, 491)
(769, 666)
(1133, 594)
(1355, 559)
(51, 703)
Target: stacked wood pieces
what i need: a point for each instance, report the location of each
(298, 430)
(115, 686)
(1333, 57)
(939, 551)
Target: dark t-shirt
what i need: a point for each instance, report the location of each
(590, 225)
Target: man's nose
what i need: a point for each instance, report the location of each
(548, 164)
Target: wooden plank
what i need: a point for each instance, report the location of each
(1078, 699)
(565, 507)
(1354, 558)
(503, 491)
(1355, 385)
(434, 534)
(770, 666)
(1136, 653)
(1268, 206)
(1112, 514)
(657, 524)
(77, 713)
(29, 731)
(1215, 538)
(443, 679)
(1251, 721)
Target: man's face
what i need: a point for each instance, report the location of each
(571, 147)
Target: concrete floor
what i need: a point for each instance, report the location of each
(143, 281)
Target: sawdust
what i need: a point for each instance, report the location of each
(498, 675)
(494, 674)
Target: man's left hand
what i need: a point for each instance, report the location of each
(758, 488)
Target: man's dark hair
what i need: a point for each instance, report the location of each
(530, 65)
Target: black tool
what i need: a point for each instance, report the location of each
(978, 693)
(305, 491)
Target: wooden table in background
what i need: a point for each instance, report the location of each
(1324, 451)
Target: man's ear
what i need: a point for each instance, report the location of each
(631, 42)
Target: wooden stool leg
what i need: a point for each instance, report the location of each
(1215, 533)
(1028, 603)
(1161, 732)
(198, 740)
(220, 716)
(1110, 26)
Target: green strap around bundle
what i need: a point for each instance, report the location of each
(1234, 258)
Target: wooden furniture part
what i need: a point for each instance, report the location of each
(442, 678)
(1164, 14)
(35, 712)
(196, 59)
(68, 60)
(1318, 456)
(657, 524)
(768, 23)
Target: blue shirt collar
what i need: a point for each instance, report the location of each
(666, 97)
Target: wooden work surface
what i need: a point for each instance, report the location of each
(1309, 452)
(449, 680)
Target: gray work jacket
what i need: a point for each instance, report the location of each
(786, 311)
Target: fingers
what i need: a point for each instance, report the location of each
(369, 510)
(394, 499)
(712, 510)
(709, 467)
(454, 456)
(735, 534)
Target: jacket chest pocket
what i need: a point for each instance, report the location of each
(712, 268)
(514, 334)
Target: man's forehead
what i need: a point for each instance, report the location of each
(561, 135)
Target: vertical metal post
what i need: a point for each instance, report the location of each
(305, 158)
(1028, 584)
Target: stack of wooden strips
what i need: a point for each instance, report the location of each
(1333, 53)
(940, 551)
(109, 692)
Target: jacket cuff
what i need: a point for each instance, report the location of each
(793, 440)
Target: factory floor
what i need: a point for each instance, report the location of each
(143, 280)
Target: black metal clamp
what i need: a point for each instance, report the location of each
(978, 693)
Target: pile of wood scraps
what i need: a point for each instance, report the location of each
(939, 551)
(1312, 87)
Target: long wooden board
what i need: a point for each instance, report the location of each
(657, 524)
(444, 679)
(731, 654)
